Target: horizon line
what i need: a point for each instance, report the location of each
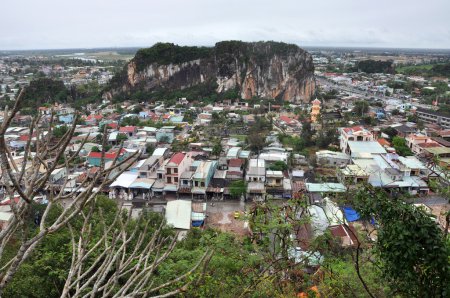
(212, 45)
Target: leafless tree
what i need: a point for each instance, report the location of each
(122, 261)
(23, 183)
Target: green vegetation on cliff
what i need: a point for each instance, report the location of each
(216, 64)
(167, 53)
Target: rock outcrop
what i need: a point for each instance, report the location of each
(260, 69)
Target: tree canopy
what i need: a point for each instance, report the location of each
(401, 147)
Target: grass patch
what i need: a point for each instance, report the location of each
(241, 138)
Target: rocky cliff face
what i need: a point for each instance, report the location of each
(262, 69)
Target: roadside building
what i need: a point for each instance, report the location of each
(434, 117)
(177, 164)
(202, 177)
(256, 177)
(354, 134)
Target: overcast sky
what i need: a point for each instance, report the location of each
(42, 24)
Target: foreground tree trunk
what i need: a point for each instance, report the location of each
(113, 260)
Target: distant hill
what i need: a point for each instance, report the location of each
(372, 66)
(246, 70)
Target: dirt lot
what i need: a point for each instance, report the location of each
(221, 216)
(439, 211)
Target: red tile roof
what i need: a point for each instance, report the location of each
(177, 158)
(353, 129)
(112, 125)
(235, 162)
(286, 119)
(96, 117)
(24, 137)
(108, 155)
(128, 129)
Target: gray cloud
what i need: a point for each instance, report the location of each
(30, 24)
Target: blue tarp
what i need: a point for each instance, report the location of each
(350, 214)
(197, 223)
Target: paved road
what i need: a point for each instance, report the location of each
(351, 89)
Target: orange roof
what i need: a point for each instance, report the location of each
(383, 142)
(312, 289)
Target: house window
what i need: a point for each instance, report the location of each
(255, 179)
(196, 183)
(175, 179)
(278, 181)
(169, 171)
(175, 170)
(169, 179)
(160, 176)
(202, 184)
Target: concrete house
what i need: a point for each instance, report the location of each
(332, 158)
(129, 131)
(256, 178)
(202, 176)
(417, 143)
(94, 158)
(354, 134)
(177, 164)
(236, 168)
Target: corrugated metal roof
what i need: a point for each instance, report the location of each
(178, 214)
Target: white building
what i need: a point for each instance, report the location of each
(355, 134)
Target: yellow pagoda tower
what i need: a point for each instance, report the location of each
(315, 110)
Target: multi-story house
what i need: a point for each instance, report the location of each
(177, 164)
(430, 116)
(355, 133)
(203, 176)
(256, 171)
(418, 143)
(235, 169)
(256, 177)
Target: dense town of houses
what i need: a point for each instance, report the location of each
(195, 174)
(182, 181)
(16, 73)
